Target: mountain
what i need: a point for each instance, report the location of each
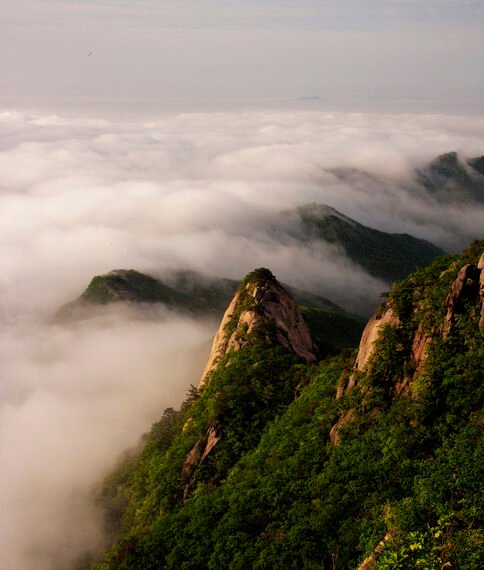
(184, 290)
(477, 164)
(282, 460)
(261, 304)
(192, 293)
(384, 255)
(450, 178)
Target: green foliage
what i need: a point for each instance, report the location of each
(333, 331)
(193, 293)
(388, 256)
(274, 493)
(126, 285)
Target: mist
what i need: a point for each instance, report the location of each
(72, 400)
(201, 191)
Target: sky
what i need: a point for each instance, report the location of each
(148, 55)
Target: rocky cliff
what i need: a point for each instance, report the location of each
(415, 327)
(261, 305)
(262, 314)
(243, 475)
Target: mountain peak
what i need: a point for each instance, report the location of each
(477, 164)
(261, 311)
(454, 179)
(319, 212)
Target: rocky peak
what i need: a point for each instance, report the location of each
(261, 306)
(466, 294)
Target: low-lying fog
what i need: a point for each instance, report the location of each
(80, 197)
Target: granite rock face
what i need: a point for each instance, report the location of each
(261, 300)
(370, 336)
(480, 266)
(260, 305)
(465, 288)
(466, 293)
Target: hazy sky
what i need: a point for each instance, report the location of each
(394, 54)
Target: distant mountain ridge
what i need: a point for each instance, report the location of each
(195, 294)
(448, 178)
(385, 255)
(452, 178)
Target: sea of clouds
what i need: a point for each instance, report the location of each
(201, 191)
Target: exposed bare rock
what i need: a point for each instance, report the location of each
(292, 330)
(370, 335)
(468, 286)
(343, 420)
(256, 303)
(192, 459)
(371, 562)
(480, 266)
(465, 287)
(420, 345)
(221, 344)
(259, 302)
(197, 455)
(213, 437)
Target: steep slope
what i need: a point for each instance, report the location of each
(421, 362)
(251, 375)
(388, 256)
(412, 327)
(245, 475)
(261, 302)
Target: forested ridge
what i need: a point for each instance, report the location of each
(277, 462)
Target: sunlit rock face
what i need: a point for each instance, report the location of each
(465, 294)
(261, 301)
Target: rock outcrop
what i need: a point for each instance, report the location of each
(260, 306)
(465, 288)
(196, 457)
(370, 563)
(370, 335)
(480, 266)
(466, 291)
(261, 301)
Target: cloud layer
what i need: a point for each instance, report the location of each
(72, 400)
(79, 197)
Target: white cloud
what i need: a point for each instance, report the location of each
(80, 197)
(72, 400)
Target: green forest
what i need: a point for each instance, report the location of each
(280, 463)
